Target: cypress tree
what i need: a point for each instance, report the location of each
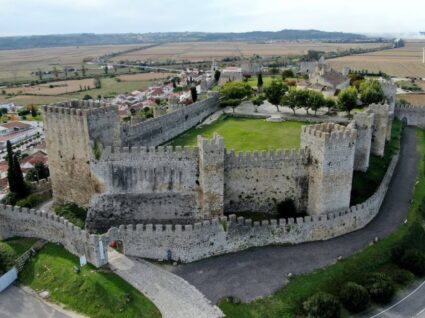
(21, 187)
(11, 169)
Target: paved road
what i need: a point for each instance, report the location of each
(174, 297)
(260, 272)
(17, 303)
(410, 305)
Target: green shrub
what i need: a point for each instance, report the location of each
(413, 260)
(73, 213)
(354, 297)
(30, 201)
(10, 199)
(380, 287)
(322, 305)
(402, 276)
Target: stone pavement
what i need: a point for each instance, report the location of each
(173, 296)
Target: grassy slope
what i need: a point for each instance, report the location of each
(95, 293)
(246, 134)
(288, 301)
(366, 183)
(11, 249)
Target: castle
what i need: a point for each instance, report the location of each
(122, 174)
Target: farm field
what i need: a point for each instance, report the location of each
(414, 99)
(110, 87)
(144, 76)
(243, 134)
(402, 62)
(198, 51)
(17, 65)
(52, 88)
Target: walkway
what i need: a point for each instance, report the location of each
(174, 297)
(260, 272)
(18, 303)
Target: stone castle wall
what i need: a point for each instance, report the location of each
(332, 149)
(363, 122)
(259, 181)
(381, 127)
(156, 131)
(412, 115)
(23, 222)
(189, 243)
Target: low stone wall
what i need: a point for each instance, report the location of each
(23, 222)
(189, 243)
(42, 187)
(412, 115)
(291, 117)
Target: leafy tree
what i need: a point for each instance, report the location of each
(287, 73)
(274, 71)
(40, 74)
(301, 98)
(105, 69)
(347, 99)
(380, 288)
(217, 75)
(33, 111)
(354, 297)
(194, 94)
(66, 72)
(275, 92)
(39, 172)
(233, 102)
(290, 99)
(315, 100)
(55, 72)
(87, 97)
(414, 261)
(235, 90)
(259, 80)
(97, 82)
(322, 305)
(330, 103)
(371, 92)
(11, 169)
(257, 102)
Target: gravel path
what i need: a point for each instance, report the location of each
(174, 297)
(260, 272)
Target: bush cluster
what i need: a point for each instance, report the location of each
(354, 297)
(380, 288)
(322, 305)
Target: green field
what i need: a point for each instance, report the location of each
(243, 134)
(96, 293)
(266, 80)
(11, 249)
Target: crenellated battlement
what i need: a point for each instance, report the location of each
(111, 153)
(263, 155)
(382, 109)
(330, 132)
(80, 108)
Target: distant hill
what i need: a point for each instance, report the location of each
(42, 41)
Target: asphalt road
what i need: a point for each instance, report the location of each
(410, 305)
(260, 272)
(17, 303)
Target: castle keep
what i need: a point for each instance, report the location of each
(125, 177)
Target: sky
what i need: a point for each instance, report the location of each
(26, 17)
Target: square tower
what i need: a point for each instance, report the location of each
(332, 148)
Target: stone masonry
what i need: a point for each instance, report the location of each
(363, 123)
(332, 149)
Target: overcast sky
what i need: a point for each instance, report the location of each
(22, 17)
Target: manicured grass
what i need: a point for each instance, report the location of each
(243, 134)
(96, 293)
(11, 249)
(288, 301)
(73, 213)
(366, 183)
(266, 80)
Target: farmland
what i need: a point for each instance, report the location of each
(16, 65)
(405, 61)
(414, 99)
(199, 51)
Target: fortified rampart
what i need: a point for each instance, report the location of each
(382, 124)
(187, 243)
(411, 115)
(363, 123)
(23, 222)
(191, 242)
(156, 131)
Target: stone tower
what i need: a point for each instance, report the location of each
(75, 133)
(381, 127)
(363, 122)
(211, 176)
(332, 148)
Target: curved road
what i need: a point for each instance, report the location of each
(260, 272)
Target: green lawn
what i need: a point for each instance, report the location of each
(366, 183)
(243, 134)
(288, 301)
(11, 249)
(266, 80)
(96, 293)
